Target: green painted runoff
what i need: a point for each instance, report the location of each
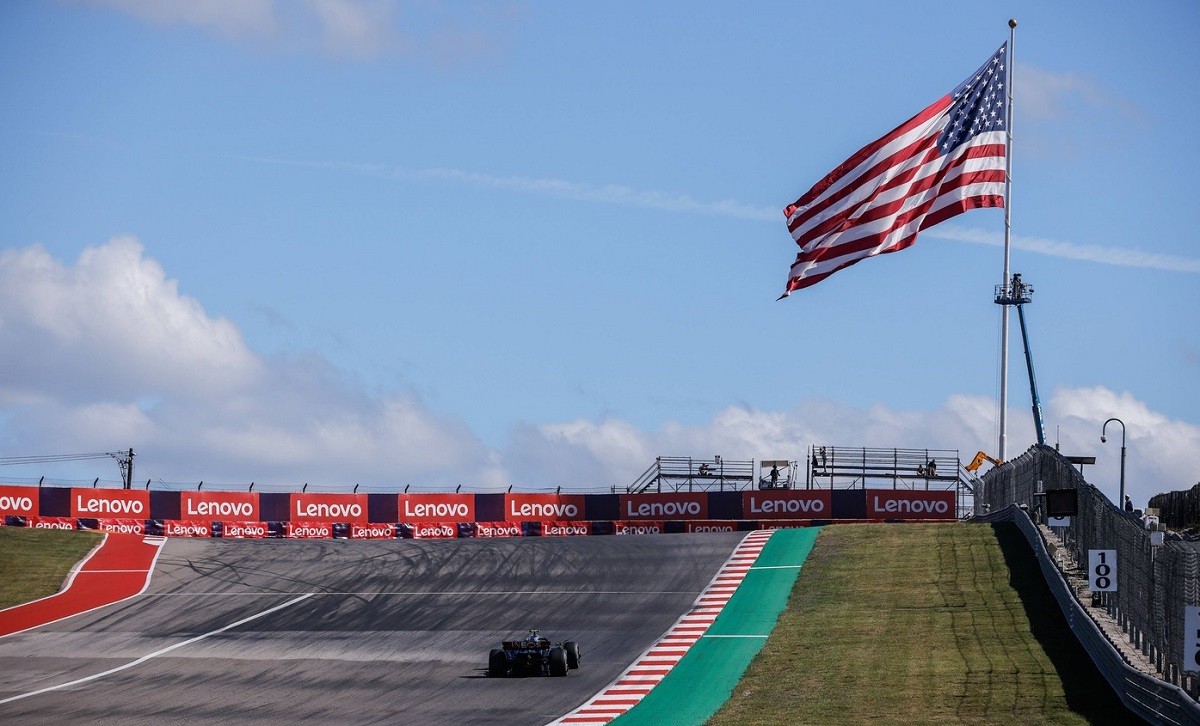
(705, 677)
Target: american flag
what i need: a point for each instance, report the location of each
(945, 160)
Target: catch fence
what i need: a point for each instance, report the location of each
(1157, 577)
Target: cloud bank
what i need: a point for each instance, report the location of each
(106, 353)
(446, 33)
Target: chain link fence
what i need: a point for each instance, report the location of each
(1155, 582)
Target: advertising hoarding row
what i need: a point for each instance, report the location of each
(301, 508)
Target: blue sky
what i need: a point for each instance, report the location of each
(531, 243)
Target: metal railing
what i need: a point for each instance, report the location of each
(684, 473)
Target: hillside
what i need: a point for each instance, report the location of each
(906, 624)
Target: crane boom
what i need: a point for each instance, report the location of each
(1017, 293)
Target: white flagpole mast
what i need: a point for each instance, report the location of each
(1003, 454)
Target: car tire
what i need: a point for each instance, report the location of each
(497, 663)
(572, 649)
(557, 661)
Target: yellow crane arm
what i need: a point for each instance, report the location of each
(978, 461)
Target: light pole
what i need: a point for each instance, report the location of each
(1121, 501)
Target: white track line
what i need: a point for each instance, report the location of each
(156, 653)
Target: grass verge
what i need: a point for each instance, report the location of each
(907, 624)
(35, 562)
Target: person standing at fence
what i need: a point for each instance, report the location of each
(1128, 504)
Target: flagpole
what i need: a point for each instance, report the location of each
(1003, 453)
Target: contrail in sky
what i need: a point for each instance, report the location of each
(1122, 257)
(684, 204)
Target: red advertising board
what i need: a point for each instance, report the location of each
(716, 525)
(218, 506)
(436, 508)
(372, 531)
(665, 506)
(328, 508)
(110, 503)
(787, 504)
(51, 522)
(497, 529)
(906, 504)
(310, 530)
(122, 526)
(639, 527)
(566, 529)
(244, 530)
(183, 528)
(542, 507)
(435, 530)
(18, 501)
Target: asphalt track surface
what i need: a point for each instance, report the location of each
(352, 631)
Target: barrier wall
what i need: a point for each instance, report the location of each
(374, 516)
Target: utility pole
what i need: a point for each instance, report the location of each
(125, 464)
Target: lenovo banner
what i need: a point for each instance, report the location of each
(430, 530)
(328, 508)
(678, 505)
(719, 525)
(542, 507)
(121, 526)
(437, 508)
(52, 523)
(242, 530)
(218, 506)
(566, 529)
(787, 504)
(637, 527)
(18, 501)
(497, 529)
(372, 531)
(906, 504)
(310, 530)
(110, 503)
(180, 528)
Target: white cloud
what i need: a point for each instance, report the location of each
(353, 28)
(113, 322)
(106, 354)
(614, 453)
(227, 17)
(1044, 95)
(446, 34)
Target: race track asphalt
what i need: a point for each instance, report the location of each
(393, 631)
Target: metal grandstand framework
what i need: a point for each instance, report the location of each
(685, 473)
(827, 467)
(861, 467)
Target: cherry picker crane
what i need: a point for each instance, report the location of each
(1017, 292)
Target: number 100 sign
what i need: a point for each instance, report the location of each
(1102, 570)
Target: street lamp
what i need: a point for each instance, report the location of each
(1121, 501)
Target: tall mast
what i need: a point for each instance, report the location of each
(1003, 454)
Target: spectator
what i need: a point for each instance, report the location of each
(1128, 504)
(931, 468)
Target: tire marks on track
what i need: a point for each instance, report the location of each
(640, 678)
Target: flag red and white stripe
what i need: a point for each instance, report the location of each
(947, 159)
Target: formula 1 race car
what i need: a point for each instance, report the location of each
(533, 656)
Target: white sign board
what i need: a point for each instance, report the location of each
(1102, 570)
(1191, 638)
